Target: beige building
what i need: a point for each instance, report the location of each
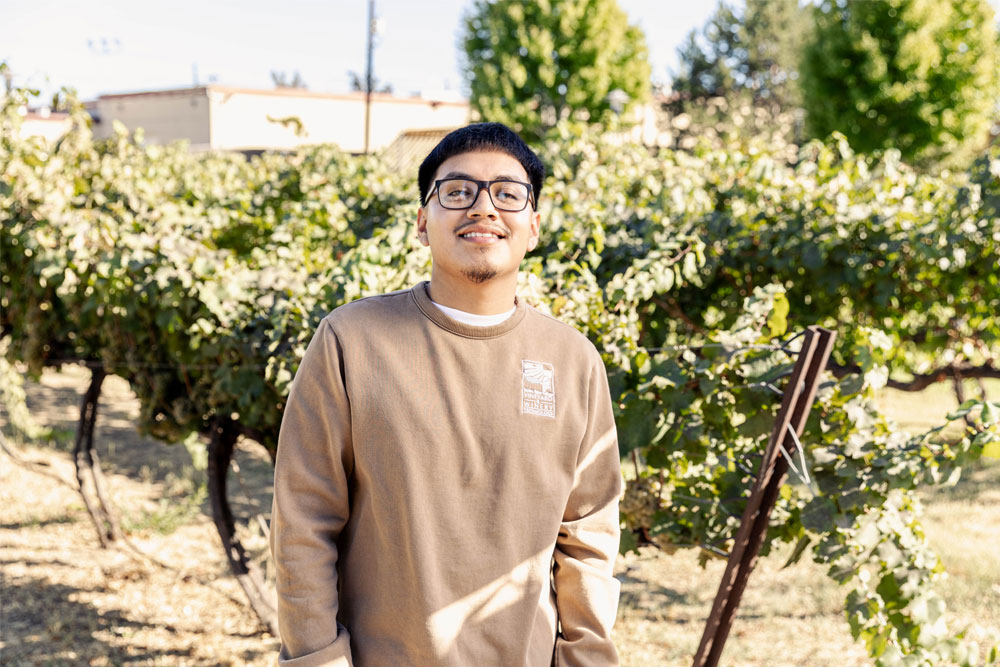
(45, 123)
(215, 117)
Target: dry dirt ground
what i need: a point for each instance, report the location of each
(66, 601)
(168, 600)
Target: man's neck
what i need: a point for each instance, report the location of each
(489, 298)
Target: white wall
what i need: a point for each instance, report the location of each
(239, 118)
(228, 118)
(164, 116)
(49, 126)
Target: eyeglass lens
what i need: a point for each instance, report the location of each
(460, 193)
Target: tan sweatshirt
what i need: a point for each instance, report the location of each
(446, 494)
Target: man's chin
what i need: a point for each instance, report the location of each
(480, 273)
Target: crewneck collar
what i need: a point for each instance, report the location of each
(423, 300)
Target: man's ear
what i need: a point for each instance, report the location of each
(422, 227)
(536, 219)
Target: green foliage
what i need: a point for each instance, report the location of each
(756, 50)
(200, 278)
(21, 422)
(709, 411)
(532, 64)
(858, 242)
(921, 76)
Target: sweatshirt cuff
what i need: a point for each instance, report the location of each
(337, 654)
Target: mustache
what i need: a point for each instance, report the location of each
(490, 227)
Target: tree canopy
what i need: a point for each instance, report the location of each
(756, 50)
(532, 64)
(917, 75)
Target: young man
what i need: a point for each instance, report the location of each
(447, 481)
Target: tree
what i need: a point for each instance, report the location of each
(283, 80)
(8, 77)
(756, 50)
(917, 75)
(358, 83)
(531, 64)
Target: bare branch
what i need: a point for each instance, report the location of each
(921, 381)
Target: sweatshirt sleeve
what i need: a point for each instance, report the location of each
(311, 507)
(586, 590)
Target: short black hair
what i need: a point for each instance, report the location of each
(480, 137)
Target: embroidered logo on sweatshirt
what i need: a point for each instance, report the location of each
(538, 389)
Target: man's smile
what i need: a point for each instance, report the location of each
(481, 234)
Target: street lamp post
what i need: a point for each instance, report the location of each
(368, 72)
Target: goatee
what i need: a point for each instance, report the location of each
(480, 273)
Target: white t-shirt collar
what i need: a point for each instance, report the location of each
(472, 318)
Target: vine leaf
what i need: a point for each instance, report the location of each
(800, 548)
(777, 321)
(992, 450)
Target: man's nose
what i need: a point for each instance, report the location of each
(483, 206)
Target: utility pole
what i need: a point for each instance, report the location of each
(368, 73)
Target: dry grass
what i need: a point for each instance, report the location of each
(963, 523)
(786, 617)
(67, 602)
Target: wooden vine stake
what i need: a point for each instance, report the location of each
(795, 406)
(87, 462)
(220, 454)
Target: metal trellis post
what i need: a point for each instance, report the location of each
(791, 419)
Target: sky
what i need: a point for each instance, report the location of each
(108, 46)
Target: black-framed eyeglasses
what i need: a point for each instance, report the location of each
(462, 193)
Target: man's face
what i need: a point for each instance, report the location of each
(480, 243)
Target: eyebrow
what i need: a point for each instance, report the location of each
(462, 174)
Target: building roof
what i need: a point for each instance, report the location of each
(412, 146)
(45, 114)
(381, 98)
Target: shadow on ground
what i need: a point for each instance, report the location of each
(648, 597)
(43, 624)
